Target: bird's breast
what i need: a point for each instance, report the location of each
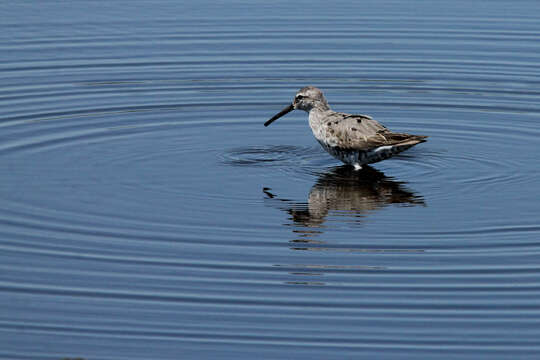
(319, 128)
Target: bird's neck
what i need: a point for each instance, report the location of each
(317, 116)
(318, 111)
(316, 121)
(321, 106)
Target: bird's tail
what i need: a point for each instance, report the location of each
(408, 142)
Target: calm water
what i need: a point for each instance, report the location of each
(147, 213)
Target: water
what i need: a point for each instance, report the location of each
(147, 213)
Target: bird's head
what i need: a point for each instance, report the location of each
(306, 99)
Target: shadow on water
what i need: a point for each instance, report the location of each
(344, 192)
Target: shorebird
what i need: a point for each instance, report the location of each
(354, 139)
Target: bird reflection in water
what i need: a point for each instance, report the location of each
(346, 192)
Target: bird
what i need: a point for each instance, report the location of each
(356, 140)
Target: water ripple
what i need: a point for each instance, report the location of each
(146, 210)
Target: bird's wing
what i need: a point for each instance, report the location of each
(361, 132)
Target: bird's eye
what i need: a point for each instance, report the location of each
(299, 97)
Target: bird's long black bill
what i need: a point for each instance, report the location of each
(288, 109)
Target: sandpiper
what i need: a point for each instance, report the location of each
(354, 139)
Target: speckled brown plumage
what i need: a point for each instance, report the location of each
(353, 139)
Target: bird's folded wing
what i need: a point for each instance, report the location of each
(360, 132)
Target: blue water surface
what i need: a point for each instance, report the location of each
(148, 214)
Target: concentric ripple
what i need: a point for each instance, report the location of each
(148, 213)
(281, 156)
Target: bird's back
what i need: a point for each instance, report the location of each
(359, 139)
